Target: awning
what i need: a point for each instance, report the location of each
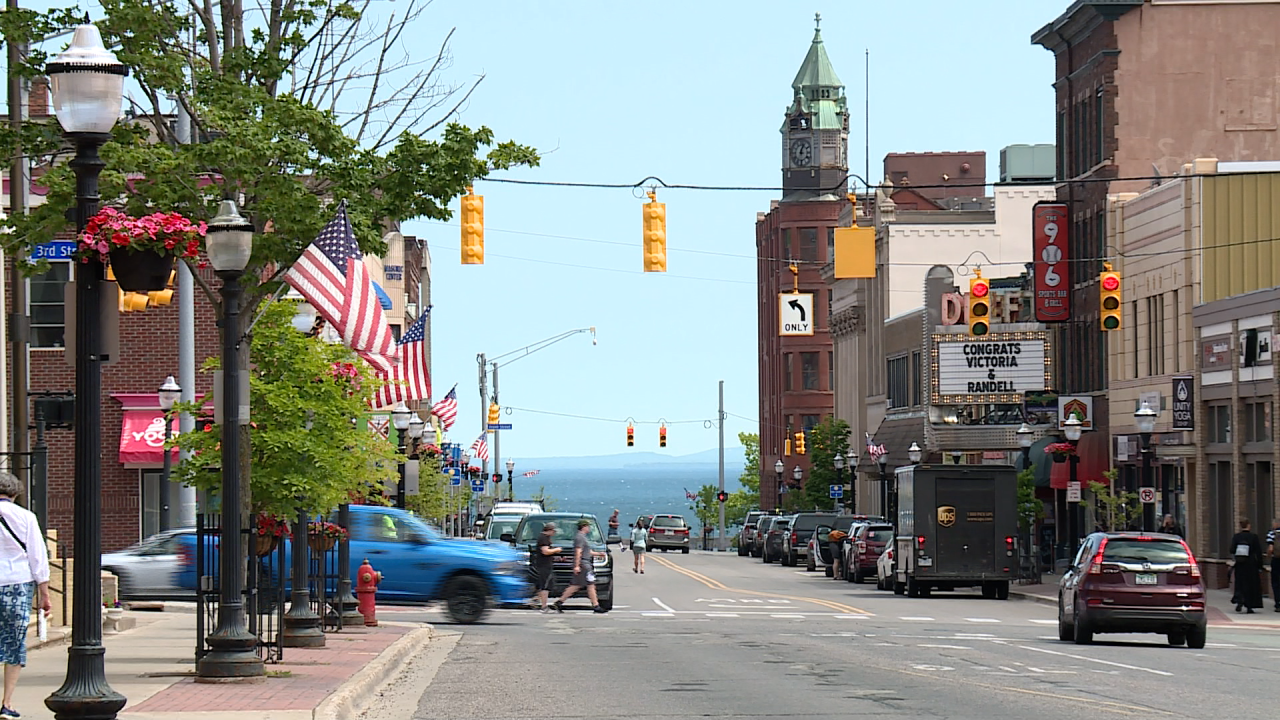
(1041, 464)
(896, 435)
(1095, 459)
(383, 298)
(142, 438)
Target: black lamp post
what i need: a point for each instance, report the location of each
(1026, 438)
(883, 461)
(1073, 429)
(88, 86)
(511, 469)
(168, 394)
(400, 417)
(233, 649)
(301, 625)
(838, 461)
(778, 467)
(1145, 419)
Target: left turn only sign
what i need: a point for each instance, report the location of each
(795, 314)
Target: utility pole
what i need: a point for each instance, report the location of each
(720, 542)
(18, 324)
(497, 448)
(484, 423)
(186, 504)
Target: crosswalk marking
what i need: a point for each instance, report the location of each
(788, 615)
(1045, 622)
(919, 618)
(982, 620)
(723, 615)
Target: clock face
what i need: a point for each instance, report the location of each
(801, 152)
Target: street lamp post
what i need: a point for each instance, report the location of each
(233, 649)
(168, 394)
(883, 461)
(468, 526)
(838, 461)
(778, 467)
(914, 453)
(400, 417)
(416, 427)
(798, 475)
(88, 87)
(956, 457)
(511, 469)
(1145, 418)
(1026, 438)
(1073, 429)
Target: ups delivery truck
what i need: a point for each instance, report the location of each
(957, 527)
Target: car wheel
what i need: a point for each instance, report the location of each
(925, 591)
(1083, 633)
(829, 571)
(859, 576)
(123, 590)
(1196, 637)
(467, 598)
(1002, 590)
(794, 560)
(811, 566)
(1066, 633)
(607, 602)
(684, 550)
(755, 552)
(742, 551)
(1177, 639)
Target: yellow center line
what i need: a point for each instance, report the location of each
(1107, 705)
(717, 585)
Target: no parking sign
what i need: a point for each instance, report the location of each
(1147, 495)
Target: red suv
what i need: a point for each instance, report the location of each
(1133, 583)
(863, 550)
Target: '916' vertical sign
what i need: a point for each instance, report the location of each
(1052, 266)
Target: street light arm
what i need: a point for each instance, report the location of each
(540, 345)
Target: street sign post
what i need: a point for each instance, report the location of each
(477, 485)
(836, 491)
(1073, 492)
(499, 426)
(455, 476)
(1147, 495)
(56, 250)
(795, 314)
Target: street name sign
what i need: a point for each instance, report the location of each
(795, 314)
(499, 426)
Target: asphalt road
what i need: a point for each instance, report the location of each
(712, 635)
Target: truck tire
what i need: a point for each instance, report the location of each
(811, 566)
(913, 588)
(607, 602)
(989, 590)
(899, 587)
(1002, 590)
(742, 550)
(754, 552)
(467, 598)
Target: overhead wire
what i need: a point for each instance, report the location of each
(609, 420)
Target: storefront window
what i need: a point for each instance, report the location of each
(1219, 423)
(1257, 421)
(47, 314)
(1220, 508)
(1258, 494)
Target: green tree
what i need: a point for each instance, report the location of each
(1113, 508)
(746, 498)
(1030, 508)
(826, 440)
(306, 451)
(432, 500)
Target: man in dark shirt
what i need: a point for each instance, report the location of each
(1272, 537)
(584, 570)
(543, 561)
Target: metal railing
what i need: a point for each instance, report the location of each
(322, 586)
(59, 565)
(264, 597)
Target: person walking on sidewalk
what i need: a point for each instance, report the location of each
(24, 571)
(584, 571)
(1169, 526)
(1272, 536)
(1247, 551)
(543, 565)
(613, 524)
(639, 543)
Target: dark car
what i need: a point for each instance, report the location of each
(1133, 583)
(525, 538)
(668, 532)
(747, 535)
(863, 550)
(795, 545)
(762, 530)
(772, 544)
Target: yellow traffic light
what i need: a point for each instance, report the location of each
(786, 447)
(655, 235)
(800, 443)
(979, 305)
(631, 436)
(1110, 286)
(494, 411)
(472, 228)
(132, 301)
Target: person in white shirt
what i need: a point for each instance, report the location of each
(639, 543)
(24, 571)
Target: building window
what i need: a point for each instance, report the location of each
(1062, 145)
(1100, 239)
(830, 301)
(787, 370)
(1174, 340)
(831, 243)
(831, 371)
(1155, 335)
(898, 384)
(1221, 508)
(1097, 127)
(1258, 494)
(916, 372)
(1219, 423)
(786, 244)
(808, 422)
(1257, 421)
(47, 315)
(1133, 322)
(809, 244)
(809, 370)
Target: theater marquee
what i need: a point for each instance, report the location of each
(997, 368)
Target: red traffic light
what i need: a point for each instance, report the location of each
(1110, 283)
(978, 289)
(722, 496)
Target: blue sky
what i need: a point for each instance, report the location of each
(692, 93)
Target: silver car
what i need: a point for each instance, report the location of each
(668, 532)
(146, 571)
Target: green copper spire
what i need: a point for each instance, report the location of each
(816, 71)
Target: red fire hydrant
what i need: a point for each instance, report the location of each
(367, 580)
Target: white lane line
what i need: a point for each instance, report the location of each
(851, 617)
(982, 620)
(1220, 645)
(787, 615)
(916, 617)
(945, 647)
(973, 635)
(1085, 658)
(723, 615)
(657, 614)
(1045, 622)
(663, 605)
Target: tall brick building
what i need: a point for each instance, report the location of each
(796, 372)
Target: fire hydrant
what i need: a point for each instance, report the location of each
(367, 580)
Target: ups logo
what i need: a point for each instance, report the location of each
(946, 515)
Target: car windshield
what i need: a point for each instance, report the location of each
(566, 528)
(668, 521)
(1156, 552)
(884, 534)
(806, 523)
(500, 526)
(780, 524)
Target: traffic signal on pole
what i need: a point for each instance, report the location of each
(800, 443)
(655, 235)
(165, 296)
(1110, 287)
(662, 436)
(722, 496)
(979, 305)
(472, 228)
(631, 436)
(132, 301)
(786, 447)
(494, 412)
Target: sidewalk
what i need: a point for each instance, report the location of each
(153, 666)
(1220, 609)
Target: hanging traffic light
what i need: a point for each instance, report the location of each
(494, 412)
(165, 296)
(979, 305)
(662, 436)
(786, 447)
(655, 235)
(631, 436)
(800, 443)
(472, 228)
(1110, 287)
(132, 301)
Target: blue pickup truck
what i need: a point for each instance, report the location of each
(418, 565)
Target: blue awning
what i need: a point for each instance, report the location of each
(383, 298)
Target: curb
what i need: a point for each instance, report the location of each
(1033, 597)
(355, 694)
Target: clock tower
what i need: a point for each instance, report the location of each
(815, 133)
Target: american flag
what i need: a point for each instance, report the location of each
(447, 409)
(873, 450)
(480, 448)
(531, 473)
(688, 495)
(410, 378)
(332, 276)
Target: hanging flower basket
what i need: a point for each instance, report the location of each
(142, 271)
(141, 250)
(320, 543)
(322, 536)
(264, 545)
(1060, 451)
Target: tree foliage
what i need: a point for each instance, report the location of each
(432, 500)
(308, 450)
(826, 440)
(1030, 508)
(1113, 508)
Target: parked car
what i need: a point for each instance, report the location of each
(821, 554)
(1133, 583)
(417, 563)
(762, 529)
(668, 532)
(148, 570)
(525, 539)
(884, 569)
(772, 545)
(862, 552)
(746, 536)
(795, 545)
